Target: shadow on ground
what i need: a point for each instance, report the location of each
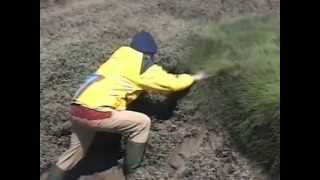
(101, 160)
(156, 107)
(102, 155)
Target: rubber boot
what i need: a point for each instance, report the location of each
(133, 156)
(55, 173)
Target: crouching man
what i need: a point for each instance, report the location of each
(100, 103)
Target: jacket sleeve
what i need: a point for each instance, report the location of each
(157, 79)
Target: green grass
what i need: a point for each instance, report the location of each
(243, 58)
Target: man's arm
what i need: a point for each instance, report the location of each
(157, 79)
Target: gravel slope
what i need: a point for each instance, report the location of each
(75, 36)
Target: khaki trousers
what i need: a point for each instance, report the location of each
(135, 125)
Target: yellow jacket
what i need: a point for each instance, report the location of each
(118, 81)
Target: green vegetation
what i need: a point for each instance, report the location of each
(243, 92)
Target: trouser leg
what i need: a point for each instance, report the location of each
(136, 126)
(80, 142)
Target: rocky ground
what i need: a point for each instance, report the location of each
(75, 37)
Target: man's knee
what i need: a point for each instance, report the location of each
(145, 122)
(141, 132)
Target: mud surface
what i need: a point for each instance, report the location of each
(75, 37)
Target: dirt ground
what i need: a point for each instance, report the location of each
(75, 37)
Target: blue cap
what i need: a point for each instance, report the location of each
(144, 42)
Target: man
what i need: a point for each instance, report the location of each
(100, 103)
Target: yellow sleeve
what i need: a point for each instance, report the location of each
(157, 79)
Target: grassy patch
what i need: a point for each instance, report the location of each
(243, 93)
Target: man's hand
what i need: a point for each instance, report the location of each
(200, 76)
